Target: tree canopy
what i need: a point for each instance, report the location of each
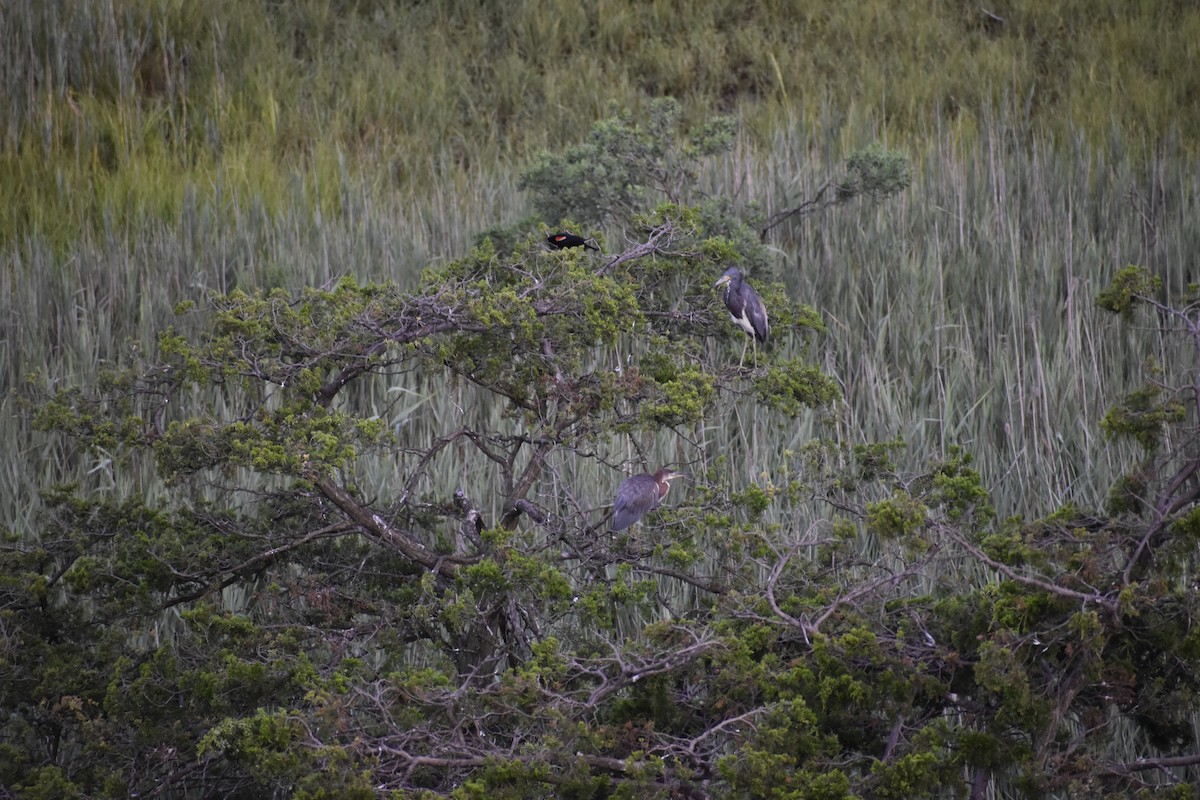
(316, 596)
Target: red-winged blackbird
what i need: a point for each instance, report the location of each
(560, 240)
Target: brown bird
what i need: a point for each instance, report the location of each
(640, 494)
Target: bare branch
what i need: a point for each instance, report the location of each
(659, 238)
(1103, 600)
(1166, 762)
(233, 574)
(804, 209)
(383, 531)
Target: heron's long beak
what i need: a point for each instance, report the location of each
(723, 279)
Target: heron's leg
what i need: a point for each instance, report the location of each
(743, 358)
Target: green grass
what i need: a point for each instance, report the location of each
(961, 313)
(121, 109)
(174, 148)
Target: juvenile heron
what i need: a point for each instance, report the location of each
(563, 239)
(745, 308)
(639, 494)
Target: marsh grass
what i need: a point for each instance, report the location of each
(965, 313)
(115, 107)
(152, 152)
(961, 314)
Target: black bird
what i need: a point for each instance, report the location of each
(745, 308)
(563, 239)
(639, 494)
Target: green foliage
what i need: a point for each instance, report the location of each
(271, 394)
(1128, 287)
(1004, 678)
(260, 741)
(1145, 416)
(876, 460)
(754, 500)
(901, 515)
(793, 386)
(99, 427)
(958, 489)
(381, 559)
(876, 171)
(680, 400)
(48, 783)
(920, 774)
(610, 177)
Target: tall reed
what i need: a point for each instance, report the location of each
(960, 314)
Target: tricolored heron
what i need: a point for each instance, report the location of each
(639, 494)
(563, 239)
(746, 308)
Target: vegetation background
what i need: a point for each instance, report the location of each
(153, 151)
